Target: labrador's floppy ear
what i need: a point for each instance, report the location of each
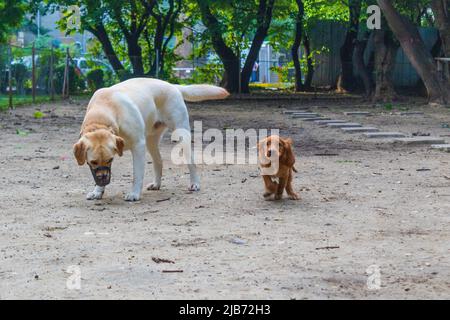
(80, 150)
(120, 144)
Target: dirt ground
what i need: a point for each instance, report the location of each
(372, 203)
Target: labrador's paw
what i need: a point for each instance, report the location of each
(194, 187)
(154, 186)
(94, 195)
(131, 197)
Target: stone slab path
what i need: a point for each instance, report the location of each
(369, 132)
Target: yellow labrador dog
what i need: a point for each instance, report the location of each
(133, 115)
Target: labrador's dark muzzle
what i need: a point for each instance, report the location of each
(102, 175)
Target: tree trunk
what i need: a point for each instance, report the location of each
(296, 46)
(229, 59)
(309, 63)
(360, 49)
(385, 54)
(346, 79)
(135, 56)
(264, 19)
(442, 18)
(100, 33)
(417, 53)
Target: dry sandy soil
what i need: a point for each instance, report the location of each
(371, 204)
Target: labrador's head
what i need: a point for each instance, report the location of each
(98, 149)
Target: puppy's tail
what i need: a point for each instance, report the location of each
(202, 92)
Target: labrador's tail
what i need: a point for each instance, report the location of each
(202, 92)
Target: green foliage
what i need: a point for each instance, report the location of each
(11, 14)
(20, 73)
(43, 70)
(208, 73)
(76, 82)
(95, 78)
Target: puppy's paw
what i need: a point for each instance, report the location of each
(131, 197)
(267, 195)
(278, 197)
(154, 186)
(94, 195)
(294, 196)
(194, 187)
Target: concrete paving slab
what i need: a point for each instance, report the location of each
(357, 113)
(314, 119)
(360, 130)
(329, 121)
(442, 147)
(295, 111)
(384, 135)
(412, 113)
(344, 125)
(420, 140)
(305, 115)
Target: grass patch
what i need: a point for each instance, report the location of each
(19, 101)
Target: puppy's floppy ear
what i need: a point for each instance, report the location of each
(79, 151)
(287, 158)
(120, 144)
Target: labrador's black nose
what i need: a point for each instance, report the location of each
(269, 153)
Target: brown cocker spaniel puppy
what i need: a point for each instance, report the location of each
(276, 160)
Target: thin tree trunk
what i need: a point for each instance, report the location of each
(360, 49)
(264, 19)
(385, 54)
(442, 18)
(417, 53)
(347, 78)
(296, 46)
(230, 61)
(135, 56)
(309, 63)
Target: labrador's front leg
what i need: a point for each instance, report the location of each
(138, 153)
(96, 194)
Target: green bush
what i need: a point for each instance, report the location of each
(208, 73)
(19, 73)
(124, 75)
(76, 82)
(43, 69)
(95, 79)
